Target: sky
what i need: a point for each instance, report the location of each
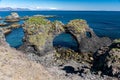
(106, 5)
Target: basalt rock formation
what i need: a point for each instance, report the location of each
(40, 32)
(88, 41)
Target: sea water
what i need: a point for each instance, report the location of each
(104, 24)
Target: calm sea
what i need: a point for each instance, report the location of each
(104, 23)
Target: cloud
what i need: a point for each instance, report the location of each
(53, 8)
(44, 8)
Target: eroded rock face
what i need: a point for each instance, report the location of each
(107, 60)
(87, 39)
(39, 34)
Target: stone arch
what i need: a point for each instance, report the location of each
(66, 39)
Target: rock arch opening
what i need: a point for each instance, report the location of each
(66, 40)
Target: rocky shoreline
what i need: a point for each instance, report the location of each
(95, 59)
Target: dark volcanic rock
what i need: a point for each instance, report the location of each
(40, 32)
(87, 39)
(107, 60)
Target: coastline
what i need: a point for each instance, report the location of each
(57, 60)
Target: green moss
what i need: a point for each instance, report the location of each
(115, 49)
(37, 20)
(37, 24)
(78, 25)
(116, 41)
(64, 55)
(57, 26)
(38, 40)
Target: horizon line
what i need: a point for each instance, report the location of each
(62, 10)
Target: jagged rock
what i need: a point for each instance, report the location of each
(65, 54)
(39, 34)
(86, 38)
(107, 59)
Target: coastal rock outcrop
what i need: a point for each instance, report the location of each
(107, 59)
(14, 17)
(88, 41)
(40, 32)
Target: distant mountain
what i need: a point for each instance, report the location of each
(13, 9)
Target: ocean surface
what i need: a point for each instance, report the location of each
(104, 24)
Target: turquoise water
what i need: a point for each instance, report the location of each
(15, 37)
(103, 23)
